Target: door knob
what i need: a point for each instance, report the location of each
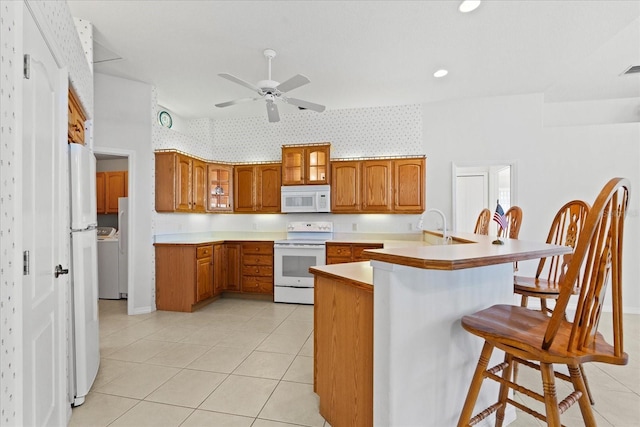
(60, 271)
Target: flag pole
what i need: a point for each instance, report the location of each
(497, 241)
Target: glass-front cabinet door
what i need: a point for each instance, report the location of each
(305, 164)
(220, 188)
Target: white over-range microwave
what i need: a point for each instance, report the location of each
(305, 198)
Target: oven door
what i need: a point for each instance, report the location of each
(292, 264)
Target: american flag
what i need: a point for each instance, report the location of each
(499, 217)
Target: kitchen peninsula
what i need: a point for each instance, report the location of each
(422, 360)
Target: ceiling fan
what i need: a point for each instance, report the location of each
(271, 90)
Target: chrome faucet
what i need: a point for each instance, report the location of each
(445, 237)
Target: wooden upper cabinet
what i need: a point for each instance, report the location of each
(268, 188)
(257, 188)
(244, 188)
(76, 119)
(109, 187)
(345, 186)
(377, 186)
(181, 183)
(101, 198)
(409, 181)
(220, 188)
(305, 164)
(199, 185)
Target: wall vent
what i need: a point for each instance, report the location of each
(634, 69)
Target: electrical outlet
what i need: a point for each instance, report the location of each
(410, 227)
(255, 226)
(354, 226)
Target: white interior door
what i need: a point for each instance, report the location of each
(472, 195)
(44, 231)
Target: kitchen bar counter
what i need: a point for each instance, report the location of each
(423, 360)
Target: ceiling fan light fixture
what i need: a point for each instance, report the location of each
(271, 91)
(469, 5)
(440, 73)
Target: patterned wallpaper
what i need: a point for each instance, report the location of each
(10, 298)
(357, 132)
(58, 24)
(85, 31)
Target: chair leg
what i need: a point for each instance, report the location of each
(543, 306)
(577, 379)
(504, 390)
(524, 301)
(476, 383)
(586, 384)
(550, 397)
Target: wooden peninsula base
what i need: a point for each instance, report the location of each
(343, 343)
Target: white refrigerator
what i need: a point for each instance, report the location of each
(84, 346)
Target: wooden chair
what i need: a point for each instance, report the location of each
(565, 230)
(514, 220)
(483, 221)
(534, 339)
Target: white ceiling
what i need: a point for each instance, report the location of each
(367, 53)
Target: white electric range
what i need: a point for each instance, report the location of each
(304, 247)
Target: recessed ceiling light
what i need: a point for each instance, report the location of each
(440, 73)
(468, 5)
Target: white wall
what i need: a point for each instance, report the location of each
(122, 125)
(554, 164)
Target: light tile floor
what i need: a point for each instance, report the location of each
(245, 363)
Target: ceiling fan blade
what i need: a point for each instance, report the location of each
(241, 82)
(236, 101)
(293, 83)
(305, 104)
(272, 112)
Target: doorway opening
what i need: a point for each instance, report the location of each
(114, 167)
(479, 186)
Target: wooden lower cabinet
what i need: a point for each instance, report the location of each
(257, 267)
(338, 253)
(232, 259)
(219, 269)
(343, 351)
(204, 272)
(184, 276)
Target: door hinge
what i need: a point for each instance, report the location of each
(27, 66)
(25, 263)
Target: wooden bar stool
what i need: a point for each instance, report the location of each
(514, 221)
(483, 221)
(534, 339)
(565, 230)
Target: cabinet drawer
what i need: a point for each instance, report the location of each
(257, 248)
(204, 251)
(339, 251)
(257, 270)
(263, 285)
(257, 260)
